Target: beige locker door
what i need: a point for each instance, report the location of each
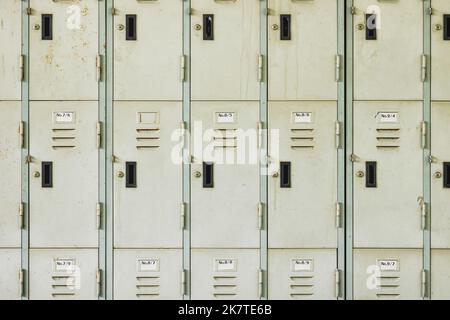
(10, 266)
(388, 68)
(63, 50)
(302, 274)
(387, 274)
(303, 181)
(302, 50)
(148, 274)
(225, 190)
(64, 174)
(225, 67)
(225, 274)
(10, 189)
(440, 170)
(440, 274)
(147, 181)
(388, 180)
(10, 50)
(440, 50)
(63, 274)
(148, 50)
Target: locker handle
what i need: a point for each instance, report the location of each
(208, 27)
(285, 27)
(131, 27)
(447, 27)
(208, 175)
(285, 174)
(130, 175)
(47, 174)
(47, 27)
(371, 174)
(371, 26)
(447, 175)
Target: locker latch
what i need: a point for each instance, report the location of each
(371, 26)
(446, 175)
(208, 27)
(285, 174)
(371, 174)
(131, 174)
(423, 207)
(208, 175)
(285, 27)
(447, 27)
(130, 27)
(47, 174)
(47, 27)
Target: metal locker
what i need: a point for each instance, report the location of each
(148, 274)
(440, 50)
(225, 50)
(388, 274)
(64, 141)
(225, 175)
(440, 274)
(388, 49)
(10, 274)
(303, 274)
(388, 182)
(302, 161)
(11, 61)
(64, 58)
(440, 170)
(64, 274)
(148, 63)
(11, 132)
(148, 175)
(302, 50)
(225, 274)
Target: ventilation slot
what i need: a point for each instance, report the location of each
(225, 138)
(63, 286)
(389, 287)
(147, 287)
(63, 138)
(302, 138)
(224, 287)
(388, 138)
(301, 286)
(148, 138)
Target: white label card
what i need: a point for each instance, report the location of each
(225, 117)
(302, 265)
(148, 117)
(64, 117)
(389, 265)
(388, 117)
(302, 117)
(64, 265)
(148, 265)
(226, 264)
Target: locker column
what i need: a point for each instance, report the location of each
(11, 146)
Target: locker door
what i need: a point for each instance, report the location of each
(225, 190)
(440, 170)
(225, 49)
(302, 50)
(148, 49)
(387, 274)
(440, 274)
(388, 46)
(388, 180)
(9, 274)
(299, 215)
(302, 274)
(147, 182)
(10, 50)
(63, 50)
(63, 274)
(10, 189)
(148, 274)
(225, 274)
(64, 174)
(440, 50)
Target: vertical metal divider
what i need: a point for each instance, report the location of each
(108, 151)
(263, 118)
(349, 150)
(341, 150)
(186, 152)
(427, 149)
(102, 150)
(25, 170)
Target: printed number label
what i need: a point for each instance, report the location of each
(388, 117)
(64, 265)
(64, 117)
(225, 117)
(148, 265)
(226, 264)
(389, 265)
(302, 117)
(302, 265)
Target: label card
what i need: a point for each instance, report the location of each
(147, 117)
(64, 117)
(389, 265)
(302, 117)
(298, 265)
(148, 265)
(387, 117)
(225, 117)
(64, 265)
(226, 265)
